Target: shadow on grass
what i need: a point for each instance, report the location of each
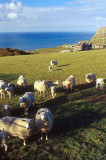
(64, 65)
(8, 77)
(65, 124)
(21, 89)
(84, 86)
(78, 87)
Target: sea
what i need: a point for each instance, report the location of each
(36, 40)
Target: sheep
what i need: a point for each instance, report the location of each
(22, 81)
(41, 86)
(53, 62)
(26, 101)
(3, 139)
(6, 110)
(50, 68)
(69, 83)
(50, 83)
(90, 78)
(43, 121)
(9, 91)
(3, 85)
(16, 126)
(2, 92)
(53, 91)
(100, 82)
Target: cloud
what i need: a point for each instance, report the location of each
(99, 18)
(10, 11)
(75, 15)
(13, 6)
(12, 15)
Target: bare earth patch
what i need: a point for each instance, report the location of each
(96, 98)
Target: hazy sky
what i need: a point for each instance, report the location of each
(52, 15)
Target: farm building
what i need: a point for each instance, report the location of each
(82, 46)
(98, 46)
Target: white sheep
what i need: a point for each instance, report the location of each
(43, 121)
(53, 91)
(41, 86)
(69, 83)
(3, 139)
(16, 126)
(50, 68)
(3, 85)
(2, 92)
(53, 62)
(9, 91)
(22, 81)
(100, 82)
(90, 78)
(6, 110)
(26, 101)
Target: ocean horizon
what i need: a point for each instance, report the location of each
(37, 40)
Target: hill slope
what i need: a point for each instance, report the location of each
(100, 37)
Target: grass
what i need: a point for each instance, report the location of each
(78, 131)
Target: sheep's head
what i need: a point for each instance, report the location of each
(29, 123)
(7, 110)
(22, 102)
(43, 115)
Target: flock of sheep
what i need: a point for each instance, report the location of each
(24, 127)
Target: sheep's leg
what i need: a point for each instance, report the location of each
(24, 143)
(9, 95)
(5, 147)
(46, 136)
(41, 136)
(4, 95)
(53, 96)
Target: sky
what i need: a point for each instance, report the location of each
(52, 15)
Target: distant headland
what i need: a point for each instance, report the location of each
(98, 41)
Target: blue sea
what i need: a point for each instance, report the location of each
(36, 40)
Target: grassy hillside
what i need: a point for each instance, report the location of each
(100, 37)
(79, 118)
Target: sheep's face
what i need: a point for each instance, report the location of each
(22, 102)
(7, 110)
(29, 124)
(43, 116)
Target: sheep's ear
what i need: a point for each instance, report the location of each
(46, 111)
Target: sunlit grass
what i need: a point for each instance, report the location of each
(78, 131)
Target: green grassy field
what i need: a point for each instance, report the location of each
(78, 131)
